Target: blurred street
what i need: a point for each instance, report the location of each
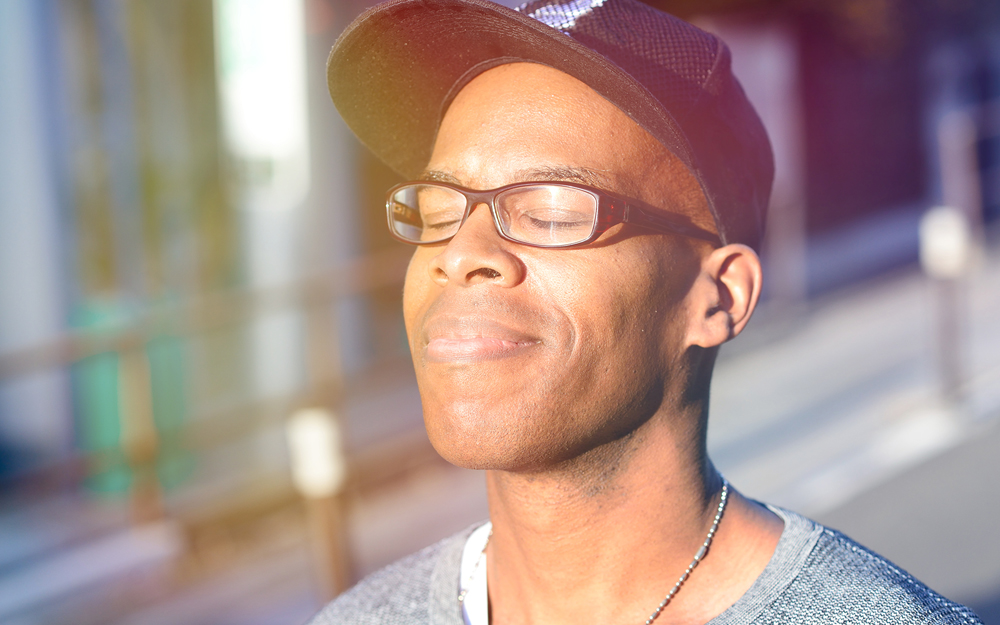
(938, 521)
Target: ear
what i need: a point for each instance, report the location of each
(723, 296)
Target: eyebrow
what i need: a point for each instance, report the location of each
(433, 175)
(556, 173)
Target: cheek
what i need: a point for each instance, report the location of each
(603, 295)
(416, 288)
(626, 308)
(603, 313)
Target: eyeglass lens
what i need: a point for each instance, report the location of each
(543, 214)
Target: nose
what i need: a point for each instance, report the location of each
(477, 254)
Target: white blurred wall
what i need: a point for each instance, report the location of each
(34, 409)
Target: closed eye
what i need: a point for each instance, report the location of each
(555, 220)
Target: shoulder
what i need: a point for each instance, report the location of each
(396, 594)
(401, 593)
(841, 581)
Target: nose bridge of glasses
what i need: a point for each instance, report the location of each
(476, 199)
(480, 202)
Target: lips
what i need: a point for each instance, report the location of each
(472, 348)
(468, 339)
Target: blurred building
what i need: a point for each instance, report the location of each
(857, 97)
(176, 198)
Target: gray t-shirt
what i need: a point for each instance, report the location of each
(816, 576)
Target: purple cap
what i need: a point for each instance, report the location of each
(393, 73)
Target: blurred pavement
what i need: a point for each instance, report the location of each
(939, 522)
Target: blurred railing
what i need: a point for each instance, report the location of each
(212, 311)
(324, 386)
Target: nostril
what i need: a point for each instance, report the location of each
(485, 272)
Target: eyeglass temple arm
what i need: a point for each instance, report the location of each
(655, 218)
(405, 212)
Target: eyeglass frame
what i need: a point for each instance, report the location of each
(612, 209)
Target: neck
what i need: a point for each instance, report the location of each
(604, 537)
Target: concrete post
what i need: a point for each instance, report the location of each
(945, 253)
(319, 471)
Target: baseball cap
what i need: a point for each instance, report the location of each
(395, 70)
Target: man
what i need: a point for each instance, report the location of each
(588, 185)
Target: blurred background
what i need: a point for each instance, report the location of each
(207, 410)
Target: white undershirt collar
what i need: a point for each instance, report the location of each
(476, 605)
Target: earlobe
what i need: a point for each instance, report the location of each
(724, 295)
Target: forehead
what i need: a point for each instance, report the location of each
(525, 121)
(523, 117)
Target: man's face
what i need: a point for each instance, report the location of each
(527, 357)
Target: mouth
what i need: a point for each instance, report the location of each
(472, 340)
(473, 348)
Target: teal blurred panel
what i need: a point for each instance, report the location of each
(167, 366)
(96, 392)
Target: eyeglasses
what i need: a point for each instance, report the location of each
(539, 214)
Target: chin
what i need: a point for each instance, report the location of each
(528, 431)
(487, 438)
(470, 441)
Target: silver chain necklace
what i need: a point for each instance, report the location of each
(698, 557)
